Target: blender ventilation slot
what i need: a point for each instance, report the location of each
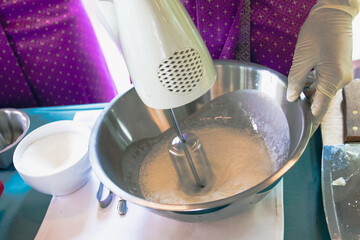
(181, 72)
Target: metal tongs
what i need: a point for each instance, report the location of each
(121, 207)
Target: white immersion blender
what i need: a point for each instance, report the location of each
(169, 65)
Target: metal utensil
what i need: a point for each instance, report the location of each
(7, 127)
(341, 192)
(341, 173)
(107, 201)
(127, 121)
(14, 125)
(3, 143)
(121, 207)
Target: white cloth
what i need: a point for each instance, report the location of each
(79, 216)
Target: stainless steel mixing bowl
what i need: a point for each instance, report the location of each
(126, 121)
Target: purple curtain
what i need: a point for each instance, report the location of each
(218, 23)
(49, 55)
(275, 25)
(262, 31)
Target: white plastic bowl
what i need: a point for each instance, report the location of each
(53, 159)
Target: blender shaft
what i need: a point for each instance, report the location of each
(186, 150)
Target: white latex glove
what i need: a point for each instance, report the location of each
(325, 45)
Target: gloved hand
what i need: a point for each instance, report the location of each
(325, 45)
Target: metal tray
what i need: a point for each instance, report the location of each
(340, 175)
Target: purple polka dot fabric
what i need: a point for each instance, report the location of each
(49, 55)
(274, 27)
(218, 23)
(14, 89)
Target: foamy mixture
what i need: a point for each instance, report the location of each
(238, 161)
(54, 152)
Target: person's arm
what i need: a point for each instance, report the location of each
(325, 45)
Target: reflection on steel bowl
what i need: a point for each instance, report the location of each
(127, 121)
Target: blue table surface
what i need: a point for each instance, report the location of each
(22, 208)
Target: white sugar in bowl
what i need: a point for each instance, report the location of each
(53, 159)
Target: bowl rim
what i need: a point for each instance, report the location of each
(261, 186)
(51, 128)
(27, 126)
